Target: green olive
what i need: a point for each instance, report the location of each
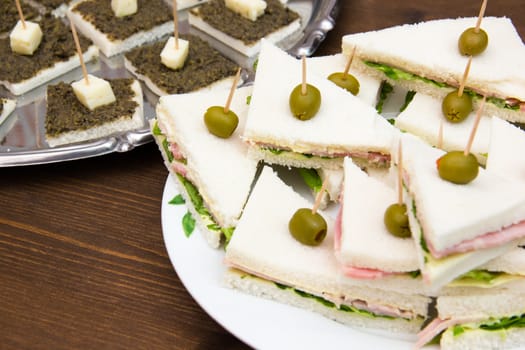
(219, 123)
(472, 43)
(457, 167)
(305, 106)
(396, 220)
(346, 81)
(456, 108)
(307, 227)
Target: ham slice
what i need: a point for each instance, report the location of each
(175, 150)
(436, 327)
(488, 240)
(364, 273)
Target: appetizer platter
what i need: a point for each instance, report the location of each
(423, 237)
(23, 138)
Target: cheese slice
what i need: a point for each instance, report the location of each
(172, 56)
(505, 140)
(25, 39)
(250, 9)
(94, 92)
(123, 8)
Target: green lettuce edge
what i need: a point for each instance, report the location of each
(399, 74)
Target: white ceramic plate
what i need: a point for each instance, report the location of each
(260, 323)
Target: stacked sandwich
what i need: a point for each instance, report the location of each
(457, 251)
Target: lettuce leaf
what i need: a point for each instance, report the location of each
(311, 178)
(200, 208)
(386, 89)
(399, 74)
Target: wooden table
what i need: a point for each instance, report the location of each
(82, 259)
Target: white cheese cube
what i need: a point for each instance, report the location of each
(26, 40)
(172, 57)
(250, 9)
(123, 8)
(96, 93)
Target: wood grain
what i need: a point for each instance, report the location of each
(82, 260)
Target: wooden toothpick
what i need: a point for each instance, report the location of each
(465, 75)
(319, 196)
(349, 63)
(176, 24)
(480, 16)
(79, 51)
(232, 90)
(20, 13)
(475, 126)
(303, 86)
(399, 174)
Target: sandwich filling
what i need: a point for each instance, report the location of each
(435, 329)
(9, 15)
(178, 162)
(395, 74)
(340, 302)
(370, 158)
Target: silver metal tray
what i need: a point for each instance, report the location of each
(22, 135)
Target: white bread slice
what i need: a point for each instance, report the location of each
(119, 124)
(8, 106)
(362, 226)
(184, 4)
(185, 72)
(344, 124)
(218, 168)
(423, 116)
(334, 181)
(247, 49)
(512, 262)
(325, 65)
(504, 141)
(429, 50)
(263, 246)
(111, 47)
(513, 338)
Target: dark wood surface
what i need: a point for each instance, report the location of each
(82, 260)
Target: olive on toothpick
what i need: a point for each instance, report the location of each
(308, 226)
(305, 99)
(461, 167)
(475, 40)
(222, 121)
(396, 218)
(456, 105)
(344, 79)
